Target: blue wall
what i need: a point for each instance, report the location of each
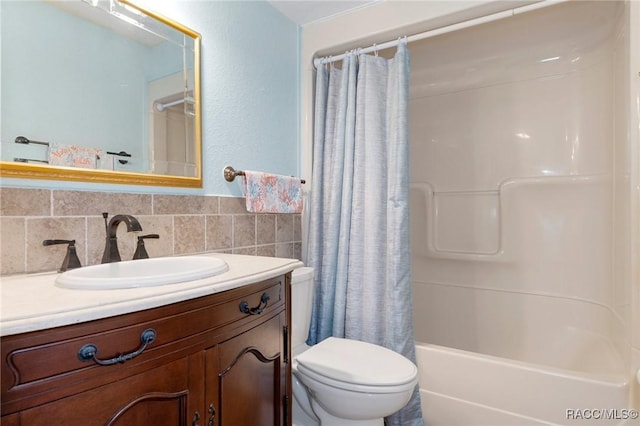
(250, 93)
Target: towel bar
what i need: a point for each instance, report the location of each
(29, 160)
(230, 174)
(25, 141)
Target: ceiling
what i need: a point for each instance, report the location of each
(306, 11)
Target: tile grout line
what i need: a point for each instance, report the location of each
(26, 245)
(86, 240)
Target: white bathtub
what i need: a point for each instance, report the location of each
(513, 358)
(465, 388)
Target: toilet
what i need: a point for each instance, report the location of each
(342, 382)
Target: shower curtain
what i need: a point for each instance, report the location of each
(358, 239)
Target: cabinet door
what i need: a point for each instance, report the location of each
(157, 397)
(10, 420)
(251, 389)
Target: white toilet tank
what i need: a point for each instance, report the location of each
(301, 300)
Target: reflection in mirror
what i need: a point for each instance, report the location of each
(101, 86)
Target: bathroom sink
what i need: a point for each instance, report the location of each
(142, 273)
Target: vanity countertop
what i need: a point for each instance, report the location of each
(32, 302)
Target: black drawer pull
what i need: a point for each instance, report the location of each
(245, 309)
(89, 351)
(212, 415)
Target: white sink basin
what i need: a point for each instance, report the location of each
(142, 273)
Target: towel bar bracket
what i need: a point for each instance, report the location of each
(230, 174)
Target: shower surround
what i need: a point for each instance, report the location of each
(522, 227)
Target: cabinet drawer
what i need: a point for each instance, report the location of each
(43, 362)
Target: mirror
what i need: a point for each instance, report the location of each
(99, 91)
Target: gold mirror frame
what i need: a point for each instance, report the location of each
(10, 169)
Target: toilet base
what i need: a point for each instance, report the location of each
(302, 412)
(327, 419)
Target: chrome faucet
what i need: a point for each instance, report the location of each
(111, 253)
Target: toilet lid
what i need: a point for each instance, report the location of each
(352, 361)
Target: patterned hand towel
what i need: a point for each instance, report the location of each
(74, 156)
(267, 193)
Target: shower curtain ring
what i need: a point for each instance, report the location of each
(375, 49)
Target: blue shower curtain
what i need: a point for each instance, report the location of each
(358, 239)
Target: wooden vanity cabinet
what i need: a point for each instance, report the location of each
(210, 365)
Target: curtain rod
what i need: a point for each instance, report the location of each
(442, 30)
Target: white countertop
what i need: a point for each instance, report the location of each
(32, 302)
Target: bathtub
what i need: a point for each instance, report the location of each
(465, 388)
(516, 358)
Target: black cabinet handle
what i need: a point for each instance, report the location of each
(245, 309)
(89, 351)
(212, 415)
(194, 420)
(285, 338)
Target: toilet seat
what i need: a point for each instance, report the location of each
(357, 366)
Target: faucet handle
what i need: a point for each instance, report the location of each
(141, 251)
(154, 236)
(71, 260)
